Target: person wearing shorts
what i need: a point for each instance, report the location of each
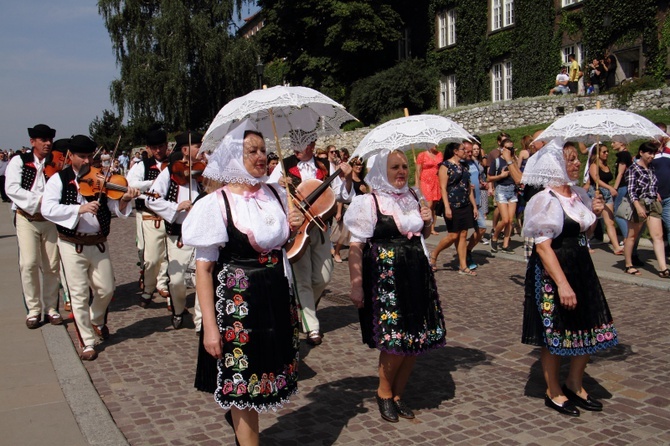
(506, 197)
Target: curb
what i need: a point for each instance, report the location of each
(94, 420)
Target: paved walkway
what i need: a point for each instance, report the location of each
(483, 388)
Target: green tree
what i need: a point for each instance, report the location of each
(178, 62)
(329, 44)
(409, 84)
(106, 130)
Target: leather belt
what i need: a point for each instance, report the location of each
(35, 217)
(81, 240)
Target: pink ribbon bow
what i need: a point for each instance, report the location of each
(257, 195)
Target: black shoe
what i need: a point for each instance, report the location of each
(177, 322)
(637, 261)
(229, 420)
(507, 250)
(403, 410)
(568, 407)
(586, 404)
(387, 409)
(145, 303)
(314, 338)
(494, 245)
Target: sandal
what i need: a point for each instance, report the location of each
(466, 272)
(664, 274)
(433, 263)
(633, 271)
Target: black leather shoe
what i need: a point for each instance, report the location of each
(387, 409)
(229, 420)
(403, 410)
(145, 303)
(177, 322)
(568, 407)
(586, 404)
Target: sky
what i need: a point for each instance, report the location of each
(57, 65)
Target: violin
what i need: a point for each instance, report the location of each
(92, 183)
(316, 201)
(54, 163)
(181, 171)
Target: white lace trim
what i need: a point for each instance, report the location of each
(547, 167)
(377, 178)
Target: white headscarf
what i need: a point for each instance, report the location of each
(547, 166)
(376, 176)
(226, 164)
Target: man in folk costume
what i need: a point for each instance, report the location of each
(151, 235)
(37, 237)
(314, 269)
(83, 226)
(174, 201)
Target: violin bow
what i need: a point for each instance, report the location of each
(190, 169)
(108, 174)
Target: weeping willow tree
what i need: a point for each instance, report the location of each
(178, 62)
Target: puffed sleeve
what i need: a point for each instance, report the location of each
(205, 228)
(543, 217)
(361, 218)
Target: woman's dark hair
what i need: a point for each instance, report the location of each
(252, 132)
(272, 156)
(450, 149)
(647, 147)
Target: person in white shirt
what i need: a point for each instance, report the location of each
(314, 268)
(562, 80)
(37, 237)
(175, 199)
(123, 162)
(151, 235)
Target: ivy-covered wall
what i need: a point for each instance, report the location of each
(533, 43)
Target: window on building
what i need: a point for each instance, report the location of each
(448, 92)
(502, 14)
(576, 49)
(501, 81)
(570, 2)
(451, 27)
(446, 28)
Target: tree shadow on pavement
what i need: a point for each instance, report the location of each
(426, 388)
(536, 387)
(331, 407)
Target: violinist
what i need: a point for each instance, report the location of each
(151, 235)
(173, 204)
(37, 237)
(313, 270)
(83, 226)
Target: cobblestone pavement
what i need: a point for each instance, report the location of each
(485, 387)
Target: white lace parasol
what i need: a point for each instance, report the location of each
(417, 131)
(293, 108)
(590, 126)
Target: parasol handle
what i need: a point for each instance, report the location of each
(598, 158)
(281, 159)
(190, 170)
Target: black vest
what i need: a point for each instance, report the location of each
(172, 195)
(70, 196)
(29, 172)
(149, 174)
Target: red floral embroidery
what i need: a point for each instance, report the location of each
(295, 171)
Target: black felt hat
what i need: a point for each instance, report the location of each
(42, 131)
(61, 145)
(156, 136)
(182, 139)
(81, 144)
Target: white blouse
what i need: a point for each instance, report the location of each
(260, 216)
(543, 217)
(361, 217)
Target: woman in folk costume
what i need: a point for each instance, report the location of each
(565, 310)
(392, 281)
(249, 350)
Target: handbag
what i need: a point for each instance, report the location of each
(625, 210)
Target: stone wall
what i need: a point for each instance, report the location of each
(494, 117)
